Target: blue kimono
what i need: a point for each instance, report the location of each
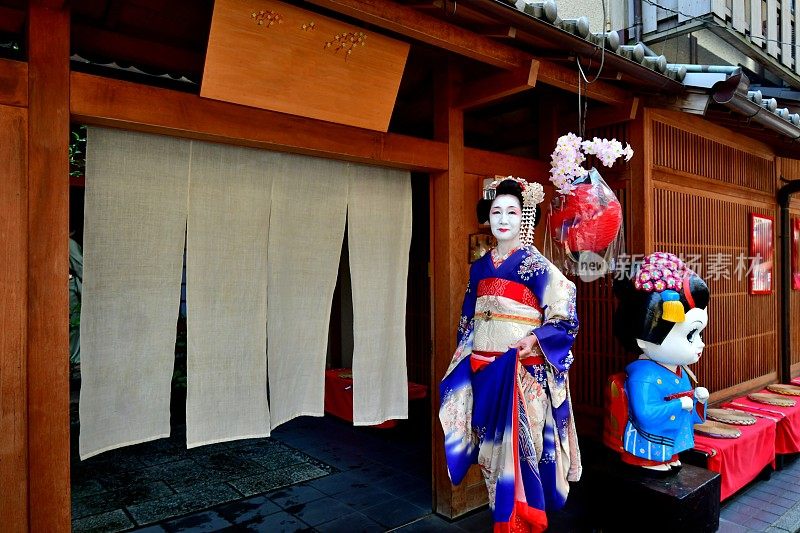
(658, 427)
(513, 418)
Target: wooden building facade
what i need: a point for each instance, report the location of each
(689, 187)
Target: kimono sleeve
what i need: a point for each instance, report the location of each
(559, 326)
(467, 320)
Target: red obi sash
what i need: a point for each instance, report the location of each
(508, 289)
(480, 359)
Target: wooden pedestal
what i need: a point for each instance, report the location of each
(623, 500)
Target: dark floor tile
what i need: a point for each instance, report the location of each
(755, 523)
(296, 494)
(198, 523)
(199, 497)
(791, 487)
(352, 523)
(375, 472)
(731, 527)
(359, 498)
(394, 513)
(252, 510)
(428, 524)
(767, 516)
(480, 521)
(319, 511)
(785, 502)
(107, 501)
(766, 487)
(280, 522)
(150, 529)
(275, 479)
(109, 522)
(739, 507)
(342, 461)
(759, 494)
(421, 498)
(85, 487)
(227, 464)
(402, 484)
(339, 482)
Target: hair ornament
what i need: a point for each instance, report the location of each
(672, 308)
(666, 274)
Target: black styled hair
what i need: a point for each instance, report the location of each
(511, 187)
(638, 313)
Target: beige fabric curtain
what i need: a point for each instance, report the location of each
(378, 237)
(135, 219)
(309, 204)
(226, 293)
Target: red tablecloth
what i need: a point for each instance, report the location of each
(796, 381)
(787, 438)
(739, 461)
(339, 395)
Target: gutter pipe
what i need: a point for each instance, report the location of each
(784, 196)
(733, 93)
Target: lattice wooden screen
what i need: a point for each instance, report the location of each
(597, 352)
(794, 309)
(741, 338)
(699, 155)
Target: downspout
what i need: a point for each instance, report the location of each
(784, 196)
(733, 93)
(637, 21)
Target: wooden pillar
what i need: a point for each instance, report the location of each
(48, 267)
(450, 269)
(639, 230)
(13, 317)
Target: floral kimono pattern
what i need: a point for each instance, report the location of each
(514, 418)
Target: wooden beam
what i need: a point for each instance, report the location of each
(608, 115)
(430, 30)
(11, 20)
(497, 86)
(48, 268)
(613, 115)
(105, 102)
(120, 47)
(427, 29)
(499, 32)
(566, 78)
(488, 163)
(13, 83)
(13, 318)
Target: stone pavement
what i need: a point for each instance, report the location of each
(321, 474)
(771, 505)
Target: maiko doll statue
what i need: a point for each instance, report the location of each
(661, 315)
(505, 401)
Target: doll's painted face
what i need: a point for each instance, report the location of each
(505, 217)
(683, 345)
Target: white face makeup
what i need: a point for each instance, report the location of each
(505, 217)
(683, 345)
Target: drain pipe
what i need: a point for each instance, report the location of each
(784, 196)
(733, 93)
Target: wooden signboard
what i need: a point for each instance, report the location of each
(275, 56)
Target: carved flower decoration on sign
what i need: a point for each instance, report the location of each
(347, 42)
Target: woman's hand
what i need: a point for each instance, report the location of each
(525, 346)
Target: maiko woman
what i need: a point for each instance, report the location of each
(505, 398)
